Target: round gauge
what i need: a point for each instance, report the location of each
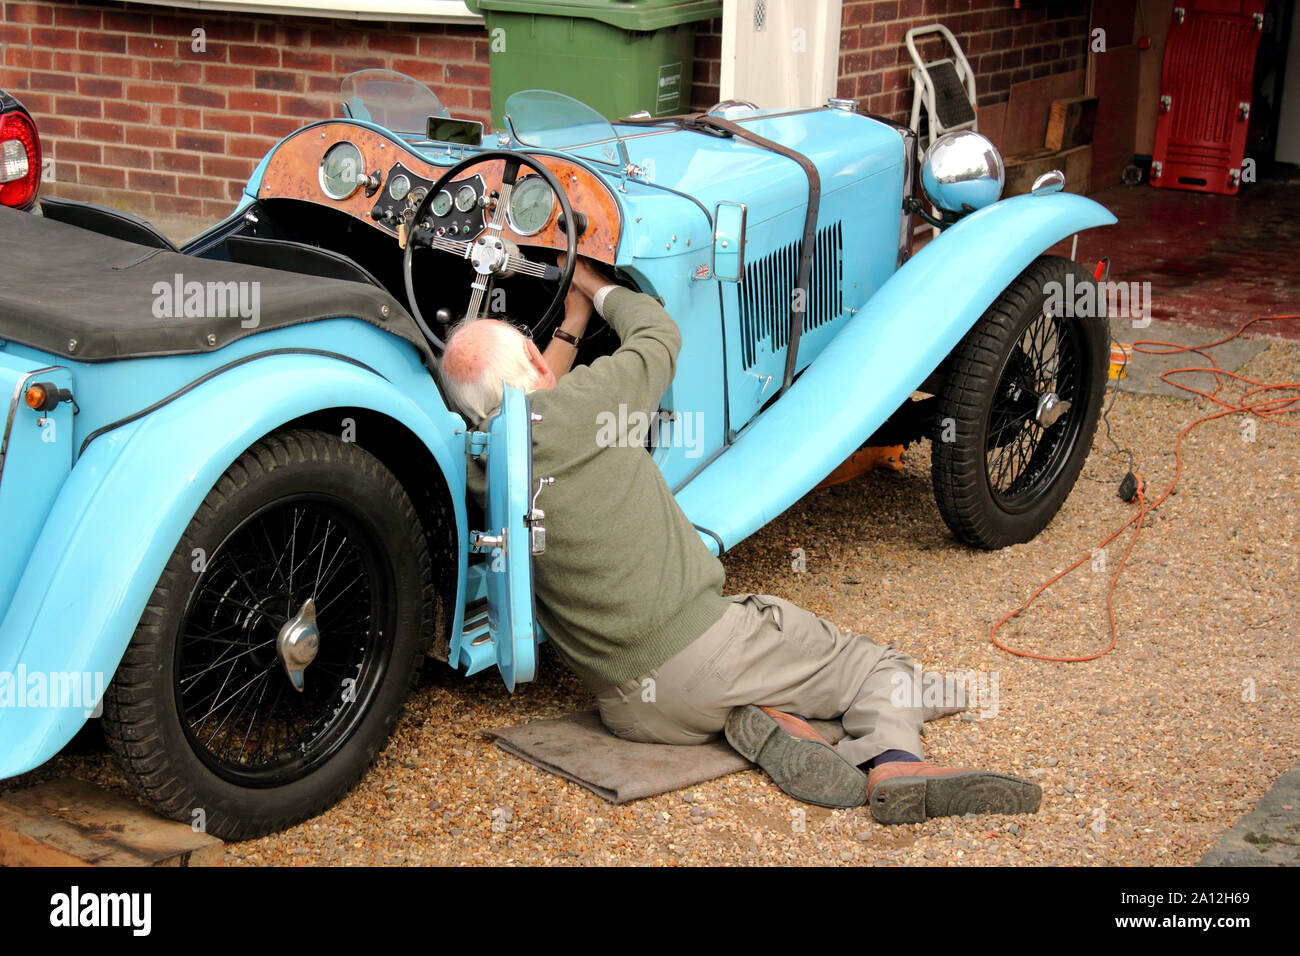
(417, 196)
(466, 198)
(531, 203)
(442, 203)
(398, 187)
(339, 168)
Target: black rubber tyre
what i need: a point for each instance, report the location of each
(999, 476)
(216, 612)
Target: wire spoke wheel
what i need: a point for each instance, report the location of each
(240, 709)
(1023, 458)
(273, 659)
(1017, 410)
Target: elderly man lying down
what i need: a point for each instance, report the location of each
(628, 592)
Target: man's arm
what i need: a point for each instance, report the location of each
(643, 366)
(560, 352)
(641, 369)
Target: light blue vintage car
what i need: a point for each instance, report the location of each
(232, 497)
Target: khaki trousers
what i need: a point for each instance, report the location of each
(767, 651)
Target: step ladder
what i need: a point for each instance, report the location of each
(945, 88)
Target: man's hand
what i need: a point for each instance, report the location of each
(586, 278)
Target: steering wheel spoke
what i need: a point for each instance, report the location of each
(524, 266)
(498, 221)
(480, 288)
(460, 248)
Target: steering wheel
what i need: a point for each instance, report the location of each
(489, 253)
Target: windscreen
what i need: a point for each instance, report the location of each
(392, 100)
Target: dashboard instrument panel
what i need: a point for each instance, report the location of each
(328, 165)
(405, 189)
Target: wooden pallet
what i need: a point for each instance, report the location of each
(1071, 123)
(73, 823)
(1024, 169)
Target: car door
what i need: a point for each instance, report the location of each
(508, 539)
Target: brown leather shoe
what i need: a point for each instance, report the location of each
(906, 792)
(798, 759)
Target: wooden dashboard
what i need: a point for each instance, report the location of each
(293, 172)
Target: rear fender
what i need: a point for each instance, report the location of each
(126, 503)
(878, 359)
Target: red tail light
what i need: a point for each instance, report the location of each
(20, 160)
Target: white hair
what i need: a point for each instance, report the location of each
(479, 398)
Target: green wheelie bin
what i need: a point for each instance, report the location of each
(617, 56)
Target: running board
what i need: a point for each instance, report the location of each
(477, 649)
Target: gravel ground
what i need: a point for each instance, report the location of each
(1145, 756)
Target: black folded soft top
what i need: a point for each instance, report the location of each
(88, 297)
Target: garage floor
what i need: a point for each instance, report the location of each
(1212, 261)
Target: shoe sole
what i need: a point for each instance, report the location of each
(805, 769)
(916, 799)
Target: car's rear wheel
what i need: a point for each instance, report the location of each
(1018, 409)
(277, 650)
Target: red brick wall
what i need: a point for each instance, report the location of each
(708, 64)
(1004, 45)
(133, 117)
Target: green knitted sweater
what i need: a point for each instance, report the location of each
(625, 582)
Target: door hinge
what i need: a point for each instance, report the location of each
(476, 443)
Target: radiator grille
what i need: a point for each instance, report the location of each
(768, 289)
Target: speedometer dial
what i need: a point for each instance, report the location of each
(531, 204)
(339, 168)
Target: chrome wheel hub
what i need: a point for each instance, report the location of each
(298, 643)
(1050, 410)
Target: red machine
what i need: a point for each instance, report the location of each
(1205, 92)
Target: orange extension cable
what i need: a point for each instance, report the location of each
(1270, 409)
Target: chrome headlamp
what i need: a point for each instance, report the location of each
(962, 172)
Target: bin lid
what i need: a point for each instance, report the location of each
(624, 14)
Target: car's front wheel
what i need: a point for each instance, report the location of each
(275, 654)
(1018, 407)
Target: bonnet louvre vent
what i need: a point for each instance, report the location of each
(768, 288)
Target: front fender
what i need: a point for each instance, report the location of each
(126, 503)
(877, 360)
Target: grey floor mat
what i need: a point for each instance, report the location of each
(579, 748)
